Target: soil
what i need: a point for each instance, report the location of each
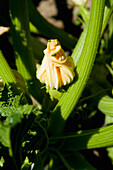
(60, 13)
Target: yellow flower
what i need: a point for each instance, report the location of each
(56, 68)
(1, 82)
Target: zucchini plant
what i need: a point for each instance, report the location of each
(56, 109)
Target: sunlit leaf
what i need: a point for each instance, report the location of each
(105, 105)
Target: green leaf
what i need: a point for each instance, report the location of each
(105, 105)
(55, 94)
(5, 135)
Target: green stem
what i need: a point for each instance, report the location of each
(70, 98)
(25, 61)
(61, 157)
(87, 139)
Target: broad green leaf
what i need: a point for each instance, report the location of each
(105, 105)
(5, 135)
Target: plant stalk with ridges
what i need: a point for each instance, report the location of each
(70, 98)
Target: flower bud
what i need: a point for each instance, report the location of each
(56, 68)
